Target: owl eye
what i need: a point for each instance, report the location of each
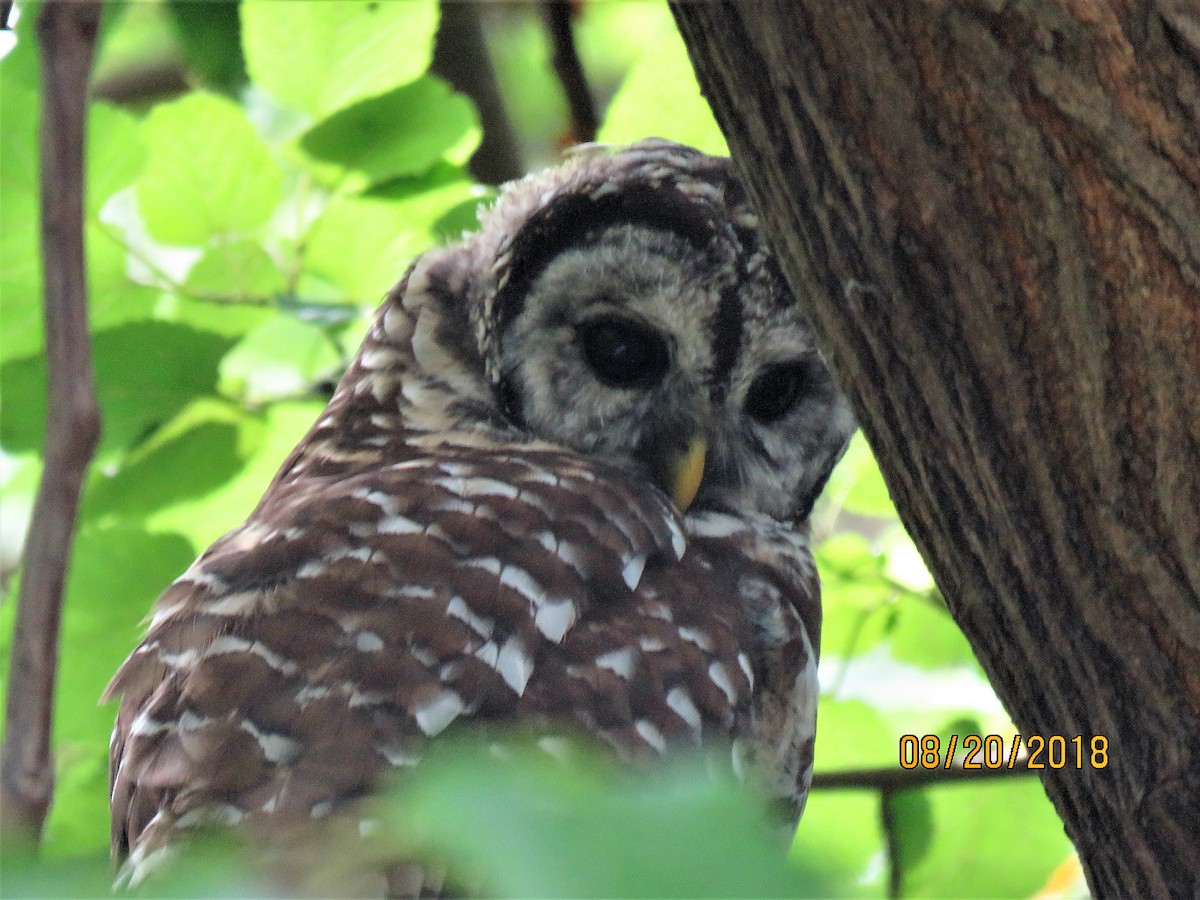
(624, 353)
(776, 391)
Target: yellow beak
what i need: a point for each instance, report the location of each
(687, 468)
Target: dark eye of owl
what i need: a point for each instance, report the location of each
(776, 391)
(624, 353)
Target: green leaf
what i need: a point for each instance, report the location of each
(321, 57)
(660, 98)
(841, 828)
(364, 244)
(115, 154)
(20, 65)
(115, 574)
(236, 269)
(209, 34)
(585, 831)
(208, 174)
(145, 373)
(972, 853)
(857, 484)
(852, 735)
(914, 826)
(264, 446)
(283, 357)
(114, 158)
(926, 636)
(403, 132)
(195, 454)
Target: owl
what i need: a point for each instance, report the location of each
(564, 484)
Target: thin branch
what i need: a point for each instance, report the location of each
(67, 36)
(891, 840)
(584, 121)
(890, 779)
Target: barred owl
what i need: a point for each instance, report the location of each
(564, 483)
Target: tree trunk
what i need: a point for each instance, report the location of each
(992, 213)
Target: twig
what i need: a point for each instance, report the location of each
(891, 841)
(67, 35)
(906, 779)
(584, 121)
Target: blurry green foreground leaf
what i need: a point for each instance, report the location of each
(527, 825)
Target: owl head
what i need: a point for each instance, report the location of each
(623, 305)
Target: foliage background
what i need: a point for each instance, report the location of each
(239, 234)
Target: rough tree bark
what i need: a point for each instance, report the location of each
(992, 212)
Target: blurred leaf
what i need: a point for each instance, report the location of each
(914, 827)
(848, 555)
(364, 244)
(191, 456)
(283, 357)
(145, 373)
(116, 572)
(587, 831)
(403, 132)
(114, 157)
(321, 57)
(904, 564)
(79, 876)
(926, 636)
(857, 483)
(852, 735)
(20, 66)
(660, 98)
(237, 268)
(973, 853)
(115, 154)
(209, 34)
(208, 173)
(841, 828)
(264, 447)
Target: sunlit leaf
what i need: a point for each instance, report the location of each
(660, 98)
(364, 244)
(283, 357)
(236, 269)
(203, 519)
(116, 572)
(321, 57)
(193, 455)
(208, 173)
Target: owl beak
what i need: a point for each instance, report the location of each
(687, 469)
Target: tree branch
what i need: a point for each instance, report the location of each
(67, 35)
(461, 57)
(888, 779)
(584, 121)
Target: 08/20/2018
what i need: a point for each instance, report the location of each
(994, 752)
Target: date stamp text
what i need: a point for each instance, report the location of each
(994, 752)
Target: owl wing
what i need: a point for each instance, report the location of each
(353, 618)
